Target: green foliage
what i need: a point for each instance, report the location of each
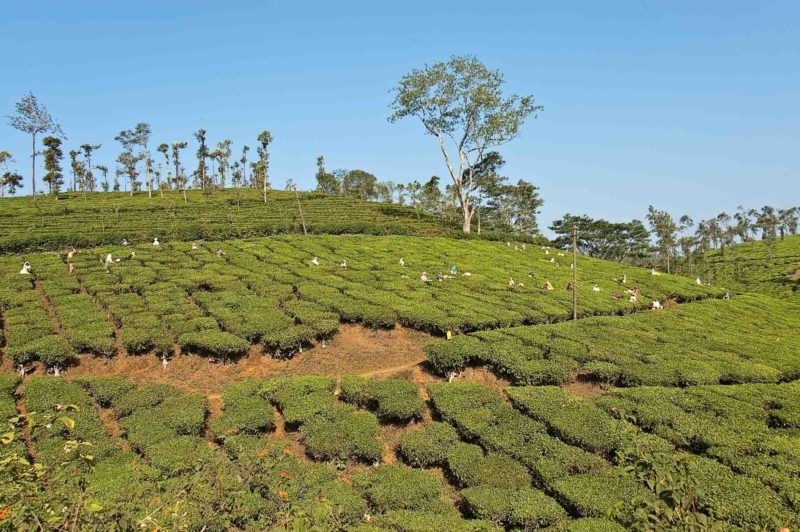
(107, 390)
(219, 344)
(246, 412)
(392, 399)
(339, 432)
(515, 507)
(398, 487)
(429, 446)
(715, 341)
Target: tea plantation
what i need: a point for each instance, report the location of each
(698, 407)
(305, 452)
(269, 292)
(766, 266)
(108, 217)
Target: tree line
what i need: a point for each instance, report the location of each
(500, 205)
(673, 244)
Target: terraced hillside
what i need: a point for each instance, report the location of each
(105, 217)
(268, 292)
(769, 267)
(367, 455)
(750, 338)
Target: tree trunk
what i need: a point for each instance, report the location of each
(33, 166)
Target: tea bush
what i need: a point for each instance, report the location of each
(392, 399)
(398, 487)
(429, 446)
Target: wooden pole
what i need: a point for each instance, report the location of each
(574, 272)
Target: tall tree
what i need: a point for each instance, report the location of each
(11, 181)
(326, 181)
(53, 154)
(223, 154)
(87, 150)
(202, 155)
(180, 178)
(243, 161)
(665, 230)
(131, 139)
(104, 170)
(78, 172)
(460, 102)
(359, 183)
(32, 117)
(5, 158)
(163, 149)
(261, 167)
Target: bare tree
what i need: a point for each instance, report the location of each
(33, 118)
(461, 101)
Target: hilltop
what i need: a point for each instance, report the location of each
(108, 217)
(766, 266)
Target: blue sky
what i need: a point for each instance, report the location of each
(691, 106)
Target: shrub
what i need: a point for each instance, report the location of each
(429, 446)
(106, 390)
(339, 432)
(145, 397)
(178, 454)
(515, 507)
(214, 343)
(245, 411)
(423, 521)
(392, 399)
(398, 487)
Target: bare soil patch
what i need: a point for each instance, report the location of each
(582, 386)
(354, 350)
(482, 376)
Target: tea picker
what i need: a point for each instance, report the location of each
(402, 262)
(424, 278)
(26, 269)
(315, 261)
(124, 241)
(453, 270)
(343, 264)
(156, 242)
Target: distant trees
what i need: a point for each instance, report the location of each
(87, 150)
(180, 177)
(130, 139)
(460, 102)
(223, 155)
(104, 170)
(163, 149)
(53, 154)
(622, 242)
(32, 117)
(665, 231)
(261, 166)
(326, 181)
(202, 155)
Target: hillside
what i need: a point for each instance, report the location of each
(267, 292)
(769, 267)
(107, 217)
(521, 458)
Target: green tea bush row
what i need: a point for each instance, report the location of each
(44, 395)
(744, 426)
(392, 399)
(582, 482)
(246, 412)
(29, 333)
(710, 342)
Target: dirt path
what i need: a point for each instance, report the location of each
(26, 433)
(214, 408)
(109, 420)
(355, 350)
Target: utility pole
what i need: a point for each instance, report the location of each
(575, 272)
